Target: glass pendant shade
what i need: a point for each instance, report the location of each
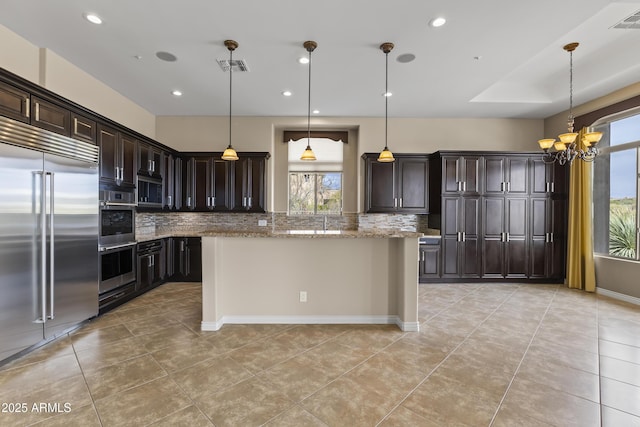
(545, 144)
(592, 138)
(386, 156)
(568, 138)
(559, 145)
(229, 154)
(308, 154)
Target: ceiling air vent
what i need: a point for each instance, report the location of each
(236, 64)
(631, 22)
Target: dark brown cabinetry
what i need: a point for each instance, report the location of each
(83, 128)
(397, 187)
(169, 181)
(15, 103)
(184, 258)
(429, 261)
(248, 184)
(50, 116)
(117, 157)
(151, 269)
(212, 184)
(510, 220)
(150, 160)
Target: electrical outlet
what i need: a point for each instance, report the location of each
(303, 296)
(262, 223)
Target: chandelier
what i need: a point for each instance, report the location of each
(308, 154)
(568, 148)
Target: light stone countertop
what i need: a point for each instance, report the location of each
(308, 234)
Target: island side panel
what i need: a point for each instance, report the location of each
(258, 280)
(407, 255)
(211, 268)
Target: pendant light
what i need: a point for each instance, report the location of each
(230, 153)
(308, 154)
(386, 155)
(567, 149)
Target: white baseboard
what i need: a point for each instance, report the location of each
(312, 320)
(618, 296)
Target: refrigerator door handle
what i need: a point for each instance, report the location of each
(42, 219)
(51, 245)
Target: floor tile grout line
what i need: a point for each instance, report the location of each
(599, 360)
(448, 354)
(524, 355)
(84, 378)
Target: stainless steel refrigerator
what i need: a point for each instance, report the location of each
(48, 235)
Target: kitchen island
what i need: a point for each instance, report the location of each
(308, 276)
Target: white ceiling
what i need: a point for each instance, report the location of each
(522, 71)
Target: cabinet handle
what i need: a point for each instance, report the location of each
(37, 111)
(464, 236)
(395, 202)
(547, 187)
(153, 165)
(189, 201)
(502, 237)
(422, 256)
(213, 202)
(509, 187)
(553, 187)
(550, 237)
(250, 202)
(459, 185)
(464, 186)
(508, 237)
(400, 201)
(502, 186)
(27, 107)
(169, 201)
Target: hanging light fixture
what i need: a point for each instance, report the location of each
(386, 155)
(308, 154)
(230, 153)
(567, 149)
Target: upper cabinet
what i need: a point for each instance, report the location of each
(117, 157)
(209, 183)
(397, 187)
(506, 174)
(50, 116)
(461, 174)
(150, 160)
(15, 103)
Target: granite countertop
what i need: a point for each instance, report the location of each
(349, 234)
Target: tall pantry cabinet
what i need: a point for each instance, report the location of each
(501, 216)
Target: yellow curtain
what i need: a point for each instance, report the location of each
(580, 266)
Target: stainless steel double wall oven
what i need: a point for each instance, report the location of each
(117, 243)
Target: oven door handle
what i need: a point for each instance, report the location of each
(107, 204)
(108, 248)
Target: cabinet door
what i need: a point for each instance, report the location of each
(451, 226)
(541, 177)
(380, 187)
(15, 103)
(429, 266)
(50, 116)
(169, 252)
(145, 272)
(144, 160)
(557, 246)
(469, 253)
(470, 170)
(222, 172)
(450, 174)
(193, 259)
(108, 142)
(493, 237)
(494, 175)
(168, 183)
(517, 175)
(83, 128)
(128, 160)
(516, 247)
(538, 251)
(413, 187)
(256, 184)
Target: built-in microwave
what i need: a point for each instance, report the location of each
(149, 191)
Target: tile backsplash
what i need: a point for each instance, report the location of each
(169, 222)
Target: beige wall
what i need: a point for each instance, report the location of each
(49, 70)
(366, 134)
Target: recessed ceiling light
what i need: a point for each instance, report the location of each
(405, 57)
(93, 18)
(316, 111)
(477, 58)
(303, 60)
(137, 57)
(176, 93)
(437, 22)
(287, 93)
(166, 56)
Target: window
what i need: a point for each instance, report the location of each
(616, 186)
(315, 187)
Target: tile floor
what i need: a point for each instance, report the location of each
(487, 355)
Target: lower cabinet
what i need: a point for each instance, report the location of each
(430, 260)
(151, 264)
(184, 258)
